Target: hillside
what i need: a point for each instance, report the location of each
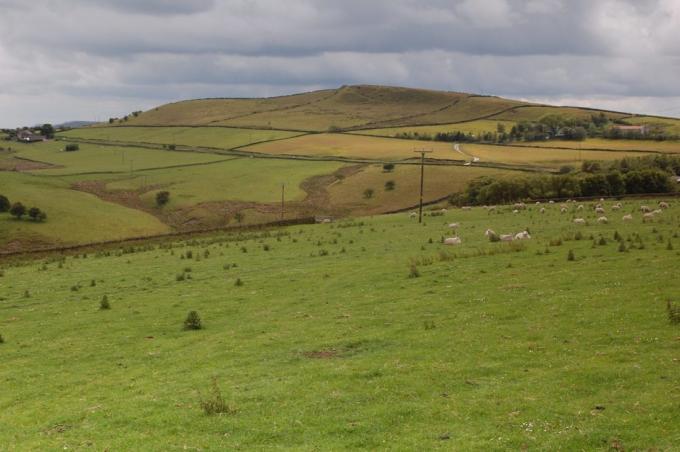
(349, 107)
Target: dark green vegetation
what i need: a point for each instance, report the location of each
(327, 343)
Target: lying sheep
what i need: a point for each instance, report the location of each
(648, 216)
(599, 210)
(579, 221)
(627, 217)
(580, 207)
(663, 205)
(506, 237)
(489, 232)
(603, 220)
(515, 211)
(551, 202)
(466, 208)
(524, 235)
(452, 241)
(454, 225)
(645, 209)
(616, 207)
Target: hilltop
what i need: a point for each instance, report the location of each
(350, 108)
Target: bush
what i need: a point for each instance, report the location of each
(104, 303)
(36, 214)
(17, 210)
(193, 321)
(368, 193)
(570, 256)
(673, 313)
(388, 167)
(2, 339)
(162, 198)
(238, 282)
(4, 204)
(215, 403)
(413, 271)
(71, 147)
(389, 185)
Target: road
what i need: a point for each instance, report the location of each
(457, 148)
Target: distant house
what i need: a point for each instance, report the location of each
(27, 136)
(642, 130)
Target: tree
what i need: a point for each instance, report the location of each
(368, 193)
(71, 147)
(388, 167)
(4, 204)
(162, 198)
(47, 131)
(17, 210)
(500, 127)
(389, 185)
(36, 214)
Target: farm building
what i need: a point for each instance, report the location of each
(28, 136)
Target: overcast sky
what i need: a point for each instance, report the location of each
(91, 59)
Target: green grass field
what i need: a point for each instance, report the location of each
(667, 147)
(73, 216)
(214, 137)
(93, 158)
(328, 344)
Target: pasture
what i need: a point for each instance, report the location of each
(213, 137)
(331, 341)
(474, 127)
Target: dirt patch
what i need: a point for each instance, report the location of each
(19, 164)
(321, 354)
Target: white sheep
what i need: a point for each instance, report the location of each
(647, 216)
(627, 217)
(454, 225)
(466, 208)
(603, 220)
(657, 211)
(524, 235)
(616, 207)
(580, 207)
(413, 215)
(551, 202)
(645, 209)
(515, 211)
(542, 210)
(663, 205)
(579, 221)
(599, 210)
(563, 210)
(506, 237)
(452, 241)
(489, 233)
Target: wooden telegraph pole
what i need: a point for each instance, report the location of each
(283, 187)
(422, 181)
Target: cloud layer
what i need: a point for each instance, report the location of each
(91, 59)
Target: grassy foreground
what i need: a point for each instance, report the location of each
(329, 344)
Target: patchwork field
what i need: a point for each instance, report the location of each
(473, 127)
(214, 137)
(327, 343)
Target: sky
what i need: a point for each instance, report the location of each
(66, 60)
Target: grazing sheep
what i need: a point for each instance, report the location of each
(645, 209)
(466, 208)
(657, 211)
(601, 199)
(542, 210)
(579, 221)
(520, 205)
(580, 207)
(627, 217)
(454, 225)
(507, 237)
(616, 207)
(603, 220)
(489, 232)
(515, 211)
(551, 202)
(647, 216)
(663, 205)
(413, 215)
(452, 241)
(443, 211)
(563, 210)
(524, 235)
(492, 209)
(599, 210)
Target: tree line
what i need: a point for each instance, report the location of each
(623, 177)
(19, 210)
(547, 128)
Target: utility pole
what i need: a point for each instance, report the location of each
(422, 181)
(283, 188)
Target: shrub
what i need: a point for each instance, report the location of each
(2, 339)
(162, 198)
(368, 193)
(622, 246)
(4, 204)
(215, 403)
(388, 167)
(17, 210)
(193, 321)
(36, 214)
(104, 303)
(389, 185)
(673, 313)
(669, 246)
(238, 282)
(71, 147)
(413, 271)
(570, 256)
